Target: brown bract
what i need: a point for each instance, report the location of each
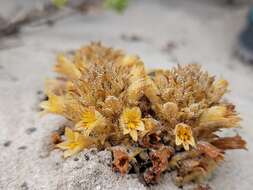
(159, 160)
(210, 150)
(56, 138)
(151, 140)
(235, 142)
(120, 161)
(203, 187)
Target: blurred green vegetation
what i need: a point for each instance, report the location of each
(59, 3)
(117, 5)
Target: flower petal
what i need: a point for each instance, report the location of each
(45, 105)
(68, 153)
(178, 141)
(125, 131)
(79, 126)
(69, 134)
(186, 146)
(134, 135)
(141, 127)
(65, 67)
(71, 152)
(192, 142)
(87, 131)
(63, 145)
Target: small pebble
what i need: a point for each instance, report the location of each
(131, 38)
(30, 130)
(39, 92)
(170, 46)
(93, 151)
(7, 143)
(24, 186)
(14, 79)
(22, 147)
(50, 22)
(87, 158)
(44, 98)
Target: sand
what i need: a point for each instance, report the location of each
(163, 34)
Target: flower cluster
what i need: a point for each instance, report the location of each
(153, 122)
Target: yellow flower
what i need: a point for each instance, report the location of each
(170, 110)
(150, 124)
(75, 142)
(90, 119)
(80, 61)
(213, 114)
(130, 122)
(221, 85)
(224, 116)
(65, 67)
(135, 91)
(54, 104)
(129, 60)
(184, 136)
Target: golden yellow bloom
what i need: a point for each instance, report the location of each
(152, 92)
(213, 114)
(221, 85)
(75, 142)
(150, 124)
(223, 115)
(130, 122)
(129, 60)
(112, 105)
(67, 68)
(137, 72)
(54, 104)
(52, 85)
(80, 61)
(135, 91)
(170, 110)
(184, 136)
(90, 119)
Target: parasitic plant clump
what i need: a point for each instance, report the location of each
(153, 122)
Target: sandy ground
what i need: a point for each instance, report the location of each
(168, 33)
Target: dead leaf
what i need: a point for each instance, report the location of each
(203, 187)
(159, 160)
(190, 163)
(235, 142)
(210, 150)
(56, 135)
(151, 140)
(121, 161)
(56, 138)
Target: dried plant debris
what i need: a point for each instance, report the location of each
(121, 161)
(155, 122)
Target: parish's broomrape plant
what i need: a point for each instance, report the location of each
(153, 122)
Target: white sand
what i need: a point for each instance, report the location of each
(203, 31)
